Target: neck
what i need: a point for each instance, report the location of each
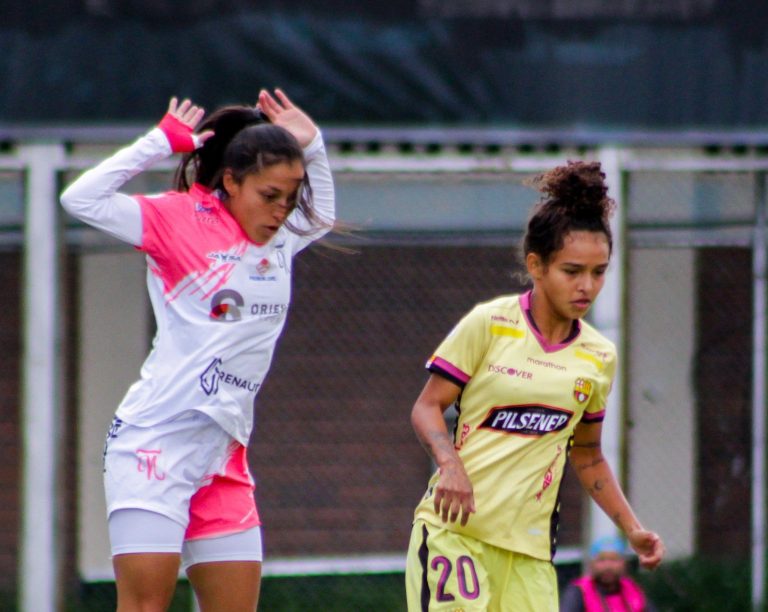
(553, 329)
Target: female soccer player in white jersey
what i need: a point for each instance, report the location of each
(253, 189)
(530, 380)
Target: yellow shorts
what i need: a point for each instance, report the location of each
(450, 572)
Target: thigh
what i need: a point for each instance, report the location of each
(445, 571)
(225, 571)
(145, 555)
(226, 586)
(145, 581)
(530, 584)
(241, 546)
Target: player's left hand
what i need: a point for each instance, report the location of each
(283, 112)
(649, 547)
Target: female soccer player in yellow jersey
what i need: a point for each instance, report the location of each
(530, 380)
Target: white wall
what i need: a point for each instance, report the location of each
(661, 406)
(114, 324)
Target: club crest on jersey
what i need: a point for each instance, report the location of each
(582, 389)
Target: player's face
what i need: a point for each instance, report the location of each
(262, 201)
(573, 278)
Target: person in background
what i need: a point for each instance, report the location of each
(252, 190)
(529, 379)
(606, 587)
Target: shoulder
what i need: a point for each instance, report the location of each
(168, 198)
(500, 304)
(596, 343)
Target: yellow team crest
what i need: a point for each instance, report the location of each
(582, 389)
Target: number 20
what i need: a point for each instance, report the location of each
(464, 566)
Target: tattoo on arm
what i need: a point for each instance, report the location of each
(596, 487)
(585, 466)
(437, 440)
(586, 444)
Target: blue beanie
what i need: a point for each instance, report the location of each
(612, 543)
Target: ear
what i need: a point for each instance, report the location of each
(535, 266)
(230, 184)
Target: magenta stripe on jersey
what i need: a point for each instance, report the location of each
(190, 226)
(593, 417)
(448, 368)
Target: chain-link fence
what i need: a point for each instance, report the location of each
(338, 467)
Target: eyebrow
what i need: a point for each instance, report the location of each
(581, 265)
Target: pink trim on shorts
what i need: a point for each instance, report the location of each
(226, 505)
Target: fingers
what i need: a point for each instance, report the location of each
(200, 138)
(283, 98)
(188, 113)
(272, 107)
(179, 124)
(650, 550)
(451, 507)
(268, 105)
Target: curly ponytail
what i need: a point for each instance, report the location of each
(575, 197)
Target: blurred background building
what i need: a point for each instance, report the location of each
(434, 112)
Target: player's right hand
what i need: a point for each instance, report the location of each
(453, 494)
(179, 125)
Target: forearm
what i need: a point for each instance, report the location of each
(597, 478)
(432, 432)
(321, 181)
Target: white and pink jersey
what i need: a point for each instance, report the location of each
(220, 300)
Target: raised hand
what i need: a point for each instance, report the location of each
(179, 124)
(283, 112)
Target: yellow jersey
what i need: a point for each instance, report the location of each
(520, 401)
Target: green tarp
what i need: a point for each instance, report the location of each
(387, 63)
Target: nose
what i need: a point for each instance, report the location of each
(280, 210)
(586, 283)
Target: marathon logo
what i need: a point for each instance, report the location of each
(529, 420)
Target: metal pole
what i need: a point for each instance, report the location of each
(758, 397)
(608, 317)
(38, 564)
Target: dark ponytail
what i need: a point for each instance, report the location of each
(575, 198)
(205, 165)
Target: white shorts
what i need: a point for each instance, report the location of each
(136, 531)
(187, 469)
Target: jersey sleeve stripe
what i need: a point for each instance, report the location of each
(593, 417)
(448, 370)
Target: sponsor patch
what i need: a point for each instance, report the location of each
(505, 330)
(527, 420)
